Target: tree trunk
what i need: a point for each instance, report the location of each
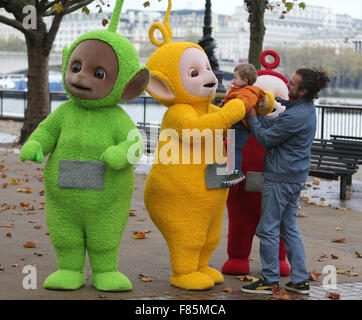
(256, 10)
(38, 87)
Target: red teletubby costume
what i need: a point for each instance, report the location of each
(244, 207)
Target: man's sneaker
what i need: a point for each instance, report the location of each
(260, 286)
(302, 287)
(233, 179)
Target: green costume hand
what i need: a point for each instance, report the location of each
(115, 158)
(32, 151)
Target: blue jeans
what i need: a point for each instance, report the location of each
(241, 136)
(279, 218)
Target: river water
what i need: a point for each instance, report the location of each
(340, 122)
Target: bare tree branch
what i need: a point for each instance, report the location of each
(13, 23)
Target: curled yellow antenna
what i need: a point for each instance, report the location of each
(164, 28)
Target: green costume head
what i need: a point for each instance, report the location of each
(94, 59)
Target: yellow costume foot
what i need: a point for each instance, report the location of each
(192, 281)
(213, 274)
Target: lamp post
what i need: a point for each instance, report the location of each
(208, 44)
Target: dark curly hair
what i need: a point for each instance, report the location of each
(313, 80)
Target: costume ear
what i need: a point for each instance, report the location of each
(160, 88)
(136, 85)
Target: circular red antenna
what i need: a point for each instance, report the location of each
(270, 66)
(267, 65)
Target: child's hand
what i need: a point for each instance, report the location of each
(251, 113)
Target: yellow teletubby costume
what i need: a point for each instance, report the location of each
(188, 214)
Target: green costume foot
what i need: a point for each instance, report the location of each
(65, 280)
(213, 274)
(111, 281)
(192, 281)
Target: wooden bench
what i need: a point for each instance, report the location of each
(334, 159)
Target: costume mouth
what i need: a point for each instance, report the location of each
(81, 88)
(209, 85)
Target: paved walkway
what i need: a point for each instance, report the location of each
(20, 224)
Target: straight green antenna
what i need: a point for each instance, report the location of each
(113, 25)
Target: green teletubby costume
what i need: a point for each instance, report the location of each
(89, 176)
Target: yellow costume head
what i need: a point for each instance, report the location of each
(180, 71)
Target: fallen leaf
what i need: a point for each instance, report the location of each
(29, 245)
(37, 227)
(316, 182)
(348, 197)
(3, 175)
(333, 256)
(2, 168)
(228, 290)
(144, 278)
(314, 276)
(304, 198)
(281, 294)
(339, 229)
(340, 208)
(358, 255)
(302, 214)
(141, 220)
(7, 226)
(308, 185)
(139, 235)
(41, 192)
(147, 231)
(15, 265)
(9, 235)
(322, 204)
(12, 181)
(311, 203)
(322, 199)
(351, 273)
(340, 271)
(146, 4)
(323, 258)
(247, 278)
(132, 213)
(333, 296)
(102, 296)
(2, 268)
(5, 185)
(339, 240)
(31, 221)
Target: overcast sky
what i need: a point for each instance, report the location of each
(350, 7)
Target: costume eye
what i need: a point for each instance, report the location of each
(99, 73)
(194, 73)
(208, 68)
(76, 67)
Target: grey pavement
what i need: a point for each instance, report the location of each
(149, 256)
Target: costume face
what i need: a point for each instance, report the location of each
(277, 87)
(238, 80)
(196, 74)
(92, 70)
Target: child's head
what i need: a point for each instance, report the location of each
(245, 74)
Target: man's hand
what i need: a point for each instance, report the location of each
(251, 113)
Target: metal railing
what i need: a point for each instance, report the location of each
(331, 119)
